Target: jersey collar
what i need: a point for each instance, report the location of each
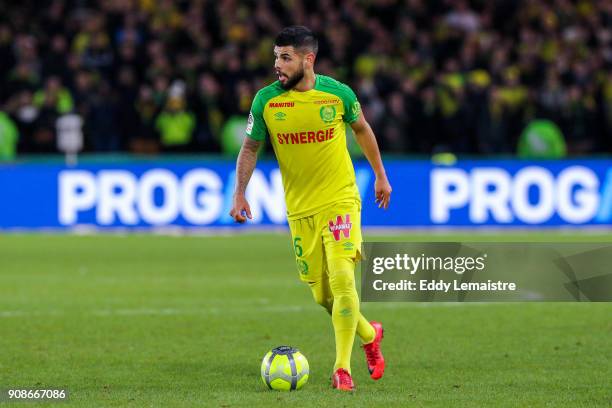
(315, 87)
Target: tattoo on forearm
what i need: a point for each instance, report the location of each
(247, 158)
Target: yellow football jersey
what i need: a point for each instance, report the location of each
(308, 133)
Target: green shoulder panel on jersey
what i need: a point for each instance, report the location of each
(256, 126)
(352, 108)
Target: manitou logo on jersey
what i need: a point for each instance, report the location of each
(532, 195)
(281, 104)
(343, 226)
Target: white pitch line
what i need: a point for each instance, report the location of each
(21, 313)
(219, 311)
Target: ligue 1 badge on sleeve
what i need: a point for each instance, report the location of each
(250, 121)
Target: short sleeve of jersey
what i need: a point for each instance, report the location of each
(256, 126)
(352, 108)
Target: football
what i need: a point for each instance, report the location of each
(284, 368)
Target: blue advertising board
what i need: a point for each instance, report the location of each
(198, 194)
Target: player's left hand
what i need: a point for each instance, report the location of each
(382, 190)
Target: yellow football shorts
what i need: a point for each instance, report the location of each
(335, 232)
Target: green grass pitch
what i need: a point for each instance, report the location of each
(161, 321)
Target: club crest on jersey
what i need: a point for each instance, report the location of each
(342, 226)
(327, 113)
(302, 266)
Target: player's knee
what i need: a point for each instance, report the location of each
(342, 277)
(343, 284)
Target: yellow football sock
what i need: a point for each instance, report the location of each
(345, 310)
(322, 294)
(365, 330)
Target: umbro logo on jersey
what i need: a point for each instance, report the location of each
(281, 104)
(280, 116)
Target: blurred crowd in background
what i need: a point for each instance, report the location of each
(458, 76)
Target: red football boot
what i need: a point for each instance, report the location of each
(376, 361)
(341, 380)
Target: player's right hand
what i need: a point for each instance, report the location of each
(240, 209)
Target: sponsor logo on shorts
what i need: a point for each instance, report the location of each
(342, 226)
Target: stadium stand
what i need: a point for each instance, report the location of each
(457, 76)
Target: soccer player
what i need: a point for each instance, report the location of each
(305, 116)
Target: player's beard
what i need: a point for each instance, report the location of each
(292, 81)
